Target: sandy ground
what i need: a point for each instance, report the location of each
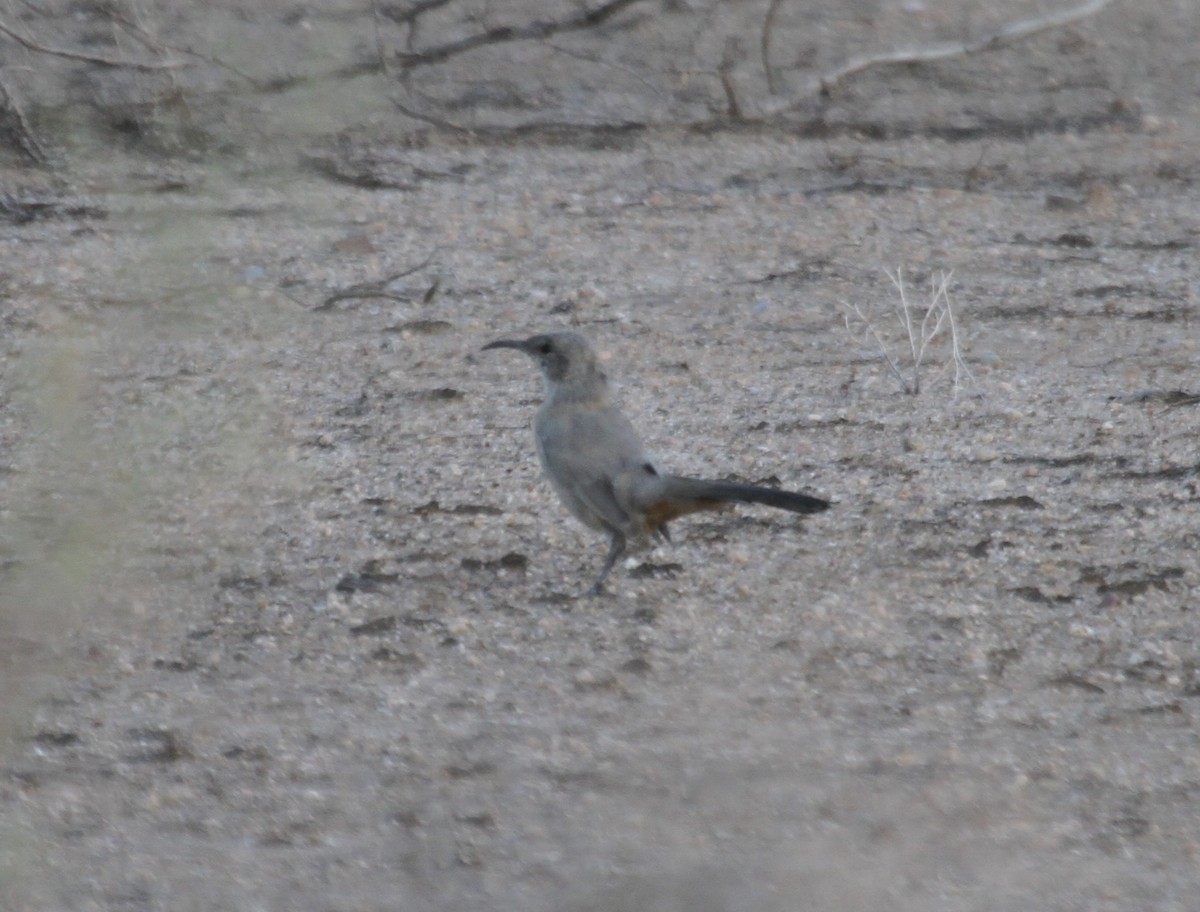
(287, 609)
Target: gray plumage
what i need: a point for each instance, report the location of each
(596, 461)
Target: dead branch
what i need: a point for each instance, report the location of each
(824, 83)
(1180, 403)
(409, 15)
(115, 62)
(504, 34)
(378, 288)
(440, 122)
(23, 133)
(725, 72)
(764, 44)
(379, 49)
(598, 61)
(155, 43)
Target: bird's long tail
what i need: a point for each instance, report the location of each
(725, 491)
(680, 496)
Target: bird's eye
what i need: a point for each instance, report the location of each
(544, 348)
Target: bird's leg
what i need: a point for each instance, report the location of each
(615, 549)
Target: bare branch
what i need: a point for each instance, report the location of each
(504, 34)
(764, 44)
(1179, 403)
(30, 44)
(825, 82)
(1023, 28)
(24, 134)
(379, 49)
(409, 15)
(378, 288)
(440, 122)
(592, 58)
(155, 43)
(725, 71)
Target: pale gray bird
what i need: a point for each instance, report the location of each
(596, 462)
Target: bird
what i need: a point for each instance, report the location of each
(597, 464)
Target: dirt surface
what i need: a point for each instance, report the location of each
(287, 615)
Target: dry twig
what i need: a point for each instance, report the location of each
(725, 71)
(30, 44)
(379, 47)
(1180, 403)
(156, 43)
(588, 18)
(824, 83)
(764, 44)
(23, 134)
(378, 288)
(440, 122)
(599, 61)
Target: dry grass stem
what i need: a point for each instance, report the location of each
(918, 331)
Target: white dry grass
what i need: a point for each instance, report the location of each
(905, 350)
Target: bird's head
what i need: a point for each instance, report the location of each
(565, 359)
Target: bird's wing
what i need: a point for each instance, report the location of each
(584, 450)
